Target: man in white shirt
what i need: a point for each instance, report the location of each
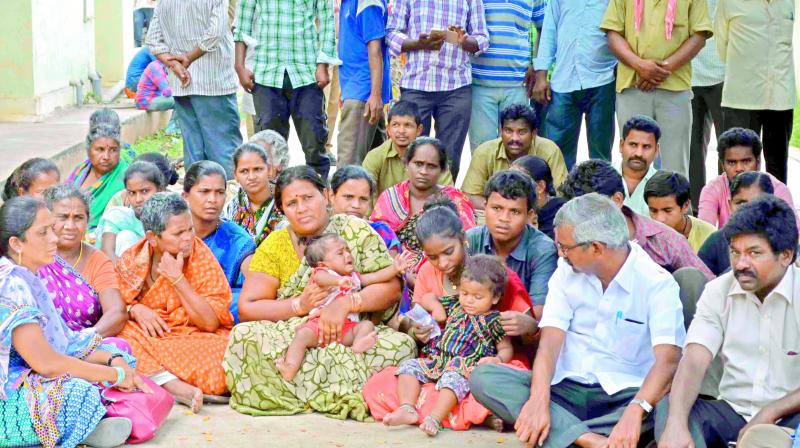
(749, 319)
(610, 340)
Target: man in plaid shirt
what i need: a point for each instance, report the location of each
(291, 68)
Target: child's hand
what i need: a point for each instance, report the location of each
(345, 282)
(489, 360)
(404, 262)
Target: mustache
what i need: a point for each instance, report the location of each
(740, 272)
(637, 158)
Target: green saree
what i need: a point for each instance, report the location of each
(331, 378)
(102, 190)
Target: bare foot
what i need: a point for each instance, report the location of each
(430, 426)
(369, 340)
(288, 371)
(401, 416)
(186, 394)
(494, 422)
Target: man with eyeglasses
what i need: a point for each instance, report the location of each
(609, 345)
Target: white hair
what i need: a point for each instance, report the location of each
(279, 147)
(594, 217)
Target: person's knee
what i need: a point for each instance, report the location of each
(482, 378)
(766, 436)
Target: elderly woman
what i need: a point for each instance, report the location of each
(178, 299)
(102, 173)
(121, 226)
(47, 370)
(277, 297)
(204, 190)
(82, 280)
(256, 165)
(31, 179)
(401, 205)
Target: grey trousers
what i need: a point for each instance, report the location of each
(575, 409)
(672, 111)
(356, 135)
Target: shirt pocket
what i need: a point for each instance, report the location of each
(789, 366)
(631, 338)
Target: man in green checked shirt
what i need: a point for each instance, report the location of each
(291, 68)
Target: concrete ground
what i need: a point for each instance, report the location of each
(220, 426)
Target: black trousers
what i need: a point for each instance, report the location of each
(706, 111)
(776, 126)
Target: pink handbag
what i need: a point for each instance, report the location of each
(147, 412)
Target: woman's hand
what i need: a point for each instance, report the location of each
(151, 323)
(133, 382)
(313, 296)
(517, 324)
(420, 332)
(171, 267)
(331, 321)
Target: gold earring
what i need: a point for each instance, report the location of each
(19, 258)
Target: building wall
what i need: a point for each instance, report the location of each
(16, 49)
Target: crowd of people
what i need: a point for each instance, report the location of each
(577, 303)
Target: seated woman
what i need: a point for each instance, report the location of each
(547, 203)
(204, 190)
(82, 280)
(102, 173)
(31, 179)
(46, 370)
(443, 238)
(178, 299)
(165, 165)
(256, 164)
(401, 205)
(277, 297)
(121, 227)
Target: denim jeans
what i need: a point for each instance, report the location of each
(141, 20)
(487, 103)
(210, 128)
(305, 105)
(563, 121)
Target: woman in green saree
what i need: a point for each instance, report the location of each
(102, 173)
(276, 297)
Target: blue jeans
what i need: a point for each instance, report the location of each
(563, 122)
(210, 128)
(141, 20)
(487, 103)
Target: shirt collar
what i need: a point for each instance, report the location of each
(650, 172)
(392, 152)
(519, 253)
(784, 289)
(501, 150)
(626, 275)
(643, 227)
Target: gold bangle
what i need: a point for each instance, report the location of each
(355, 302)
(178, 280)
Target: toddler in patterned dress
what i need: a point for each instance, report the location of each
(330, 257)
(472, 335)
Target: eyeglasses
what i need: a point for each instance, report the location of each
(565, 249)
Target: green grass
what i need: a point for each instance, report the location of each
(167, 144)
(795, 140)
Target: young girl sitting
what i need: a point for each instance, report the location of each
(333, 267)
(473, 335)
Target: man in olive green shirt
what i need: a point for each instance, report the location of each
(654, 76)
(385, 163)
(518, 138)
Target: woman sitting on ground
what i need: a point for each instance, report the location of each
(102, 173)
(31, 179)
(46, 370)
(277, 297)
(178, 299)
(167, 168)
(547, 203)
(204, 190)
(256, 165)
(121, 227)
(82, 280)
(401, 205)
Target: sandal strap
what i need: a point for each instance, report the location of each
(433, 421)
(408, 408)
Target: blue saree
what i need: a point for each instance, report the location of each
(231, 244)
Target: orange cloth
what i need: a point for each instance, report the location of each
(192, 355)
(99, 272)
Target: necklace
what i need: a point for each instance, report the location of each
(80, 254)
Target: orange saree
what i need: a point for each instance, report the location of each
(192, 355)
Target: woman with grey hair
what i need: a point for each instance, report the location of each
(256, 165)
(102, 173)
(178, 300)
(82, 281)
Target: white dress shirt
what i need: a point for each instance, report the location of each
(610, 334)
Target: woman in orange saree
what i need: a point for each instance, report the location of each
(178, 299)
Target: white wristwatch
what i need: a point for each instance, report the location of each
(648, 408)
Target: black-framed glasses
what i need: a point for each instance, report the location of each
(565, 249)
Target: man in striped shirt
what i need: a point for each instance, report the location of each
(192, 38)
(438, 75)
(501, 73)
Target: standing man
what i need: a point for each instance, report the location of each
(363, 77)
(654, 41)
(708, 74)
(438, 74)
(582, 82)
(192, 38)
(749, 319)
(609, 343)
(295, 46)
(755, 40)
(639, 149)
(503, 74)
(142, 15)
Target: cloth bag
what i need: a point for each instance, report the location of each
(146, 412)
